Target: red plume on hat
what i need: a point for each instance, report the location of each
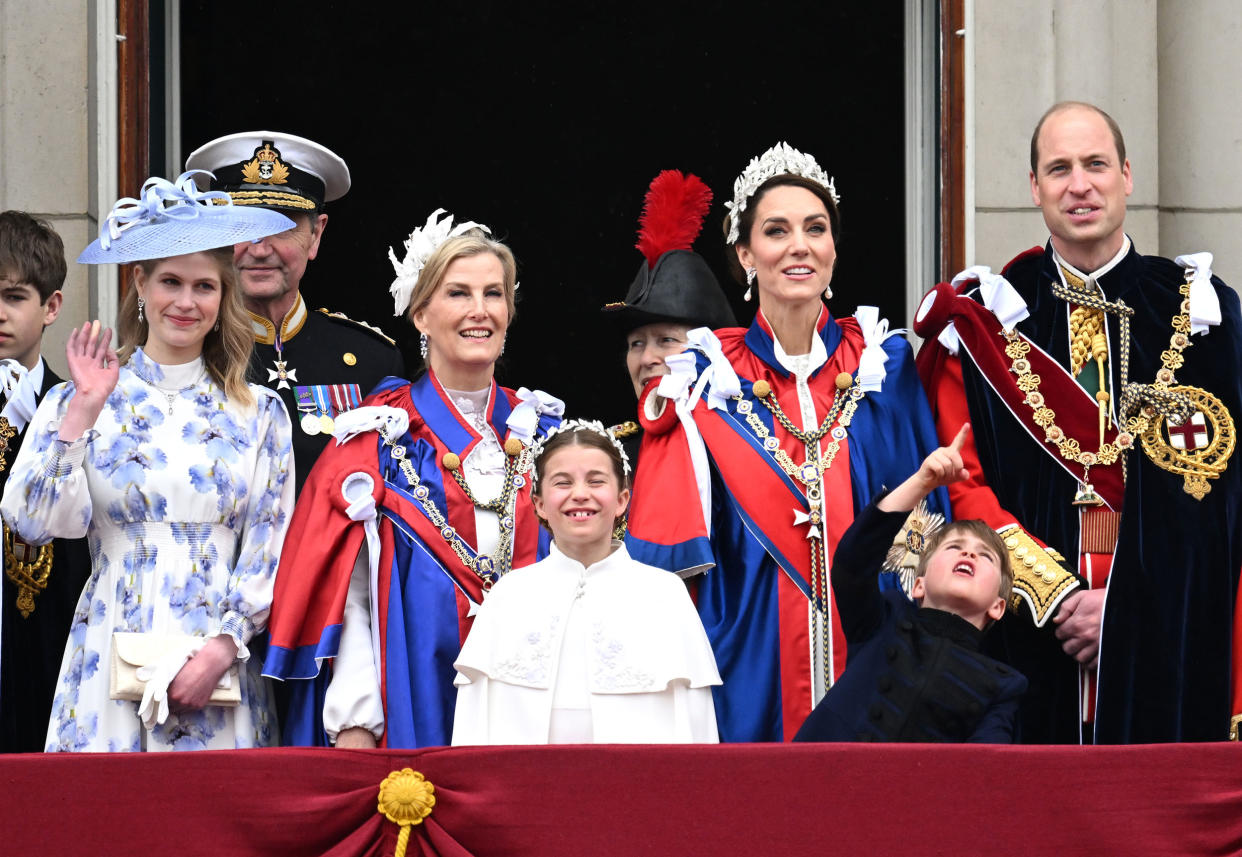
(673, 214)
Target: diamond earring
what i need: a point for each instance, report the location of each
(750, 281)
(422, 345)
(141, 303)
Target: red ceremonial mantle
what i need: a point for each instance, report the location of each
(735, 800)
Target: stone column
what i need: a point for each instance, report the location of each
(1200, 59)
(44, 144)
(1030, 54)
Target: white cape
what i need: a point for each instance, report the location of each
(649, 665)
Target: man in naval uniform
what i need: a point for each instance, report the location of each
(1102, 388)
(320, 362)
(674, 291)
(41, 583)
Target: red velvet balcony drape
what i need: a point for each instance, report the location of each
(759, 799)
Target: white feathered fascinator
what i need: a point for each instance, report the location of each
(422, 242)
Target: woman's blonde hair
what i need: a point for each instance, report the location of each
(226, 351)
(473, 242)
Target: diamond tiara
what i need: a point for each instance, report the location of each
(781, 159)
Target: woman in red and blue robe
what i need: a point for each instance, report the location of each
(406, 521)
(727, 487)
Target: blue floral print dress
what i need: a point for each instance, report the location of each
(184, 497)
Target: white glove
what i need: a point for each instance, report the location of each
(153, 709)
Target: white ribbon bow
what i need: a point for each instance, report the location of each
(523, 420)
(154, 707)
(1204, 303)
(159, 199)
(719, 373)
(871, 371)
(357, 489)
(388, 421)
(999, 296)
(20, 390)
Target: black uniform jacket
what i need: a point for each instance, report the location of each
(333, 360)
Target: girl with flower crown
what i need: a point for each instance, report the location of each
(587, 645)
(179, 474)
(420, 507)
(763, 444)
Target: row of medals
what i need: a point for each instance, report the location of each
(317, 423)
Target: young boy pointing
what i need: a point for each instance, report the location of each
(915, 672)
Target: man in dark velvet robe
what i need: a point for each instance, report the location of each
(1102, 386)
(41, 584)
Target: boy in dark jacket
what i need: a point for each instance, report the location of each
(914, 669)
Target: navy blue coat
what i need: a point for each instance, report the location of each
(913, 673)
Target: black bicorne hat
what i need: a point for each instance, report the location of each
(673, 284)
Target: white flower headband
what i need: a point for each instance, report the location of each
(781, 159)
(418, 249)
(578, 425)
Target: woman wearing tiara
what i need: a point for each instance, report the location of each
(768, 441)
(421, 506)
(178, 473)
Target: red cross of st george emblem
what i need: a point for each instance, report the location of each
(1190, 435)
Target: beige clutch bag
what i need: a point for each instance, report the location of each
(133, 650)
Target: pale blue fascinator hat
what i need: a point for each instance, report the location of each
(175, 218)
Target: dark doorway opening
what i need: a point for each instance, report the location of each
(547, 124)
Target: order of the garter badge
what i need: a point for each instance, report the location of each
(265, 167)
(1199, 447)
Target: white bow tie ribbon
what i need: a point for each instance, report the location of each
(1204, 303)
(719, 373)
(871, 371)
(388, 421)
(999, 296)
(19, 388)
(523, 420)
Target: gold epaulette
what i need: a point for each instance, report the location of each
(372, 328)
(1233, 727)
(621, 431)
(1040, 578)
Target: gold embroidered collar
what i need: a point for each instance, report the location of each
(265, 332)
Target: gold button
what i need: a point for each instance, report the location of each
(349, 358)
(513, 446)
(1029, 562)
(1021, 552)
(1011, 542)
(761, 388)
(1048, 577)
(451, 461)
(844, 380)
